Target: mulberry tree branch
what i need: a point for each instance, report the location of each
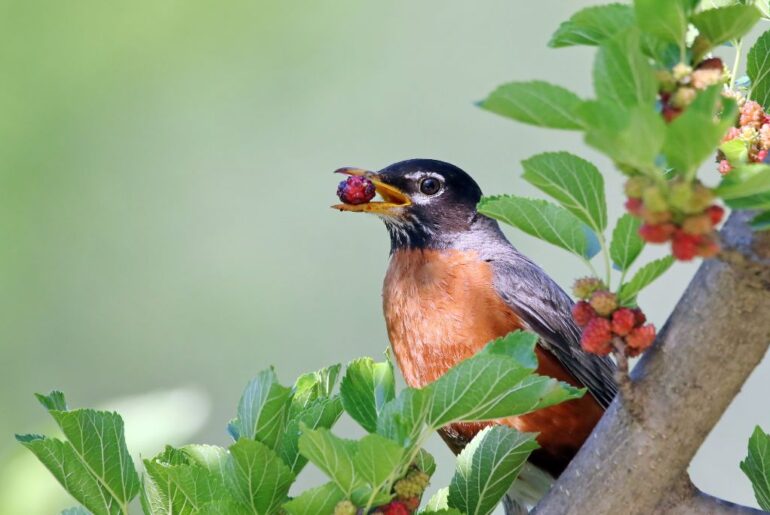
(716, 336)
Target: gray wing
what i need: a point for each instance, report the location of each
(547, 310)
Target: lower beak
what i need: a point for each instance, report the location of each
(393, 198)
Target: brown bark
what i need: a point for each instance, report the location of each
(715, 337)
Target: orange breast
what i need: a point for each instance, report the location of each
(440, 308)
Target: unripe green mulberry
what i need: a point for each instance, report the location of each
(583, 288)
(413, 485)
(345, 508)
(654, 200)
(679, 195)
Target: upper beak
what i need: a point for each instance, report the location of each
(392, 197)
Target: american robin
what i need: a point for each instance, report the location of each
(454, 282)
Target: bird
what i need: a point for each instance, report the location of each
(453, 283)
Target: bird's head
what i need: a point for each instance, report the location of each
(425, 203)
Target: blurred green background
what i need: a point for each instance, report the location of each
(166, 176)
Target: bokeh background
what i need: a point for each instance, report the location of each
(166, 182)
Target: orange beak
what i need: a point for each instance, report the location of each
(392, 201)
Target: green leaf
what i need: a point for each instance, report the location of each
(211, 457)
(490, 386)
(536, 103)
(749, 180)
(425, 462)
(315, 501)
(761, 222)
(312, 386)
(519, 345)
(377, 459)
(257, 477)
(758, 70)
(487, 467)
(592, 25)
(757, 466)
(322, 412)
(439, 501)
(223, 507)
(695, 134)
(736, 151)
(622, 73)
(76, 510)
(631, 137)
(176, 484)
(540, 219)
(403, 419)
(665, 19)
(333, 455)
(262, 410)
(53, 401)
(725, 23)
(626, 243)
(365, 389)
(68, 469)
(574, 182)
(643, 278)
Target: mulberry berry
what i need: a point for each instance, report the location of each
(635, 186)
(356, 190)
(641, 338)
(604, 302)
(413, 485)
(752, 115)
(597, 337)
(685, 246)
(725, 167)
(708, 248)
(656, 233)
(764, 136)
(699, 224)
(654, 199)
(583, 288)
(345, 508)
(712, 63)
(395, 508)
(715, 214)
(623, 321)
(582, 313)
(640, 317)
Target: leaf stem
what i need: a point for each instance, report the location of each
(606, 256)
(738, 45)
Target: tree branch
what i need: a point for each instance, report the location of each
(715, 337)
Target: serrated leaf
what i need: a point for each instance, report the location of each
(257, 477)
(761, 222)
(315, 501)
(403, 419)
(69, 470)
(592, 25)
(211, 457)
(631, 137)
(519, 345)
(490, 386)
(377, 458)
(746, 181)
(487, 467)
(694, 135)
(622, 73)
(725, 23)
(333, 455)
(626, 243)
(758, 69)
(643, 278)
(439, 501)
(222, 507)
(573, 182)
(665, 19)
(312, 386)
(53, 401)
(536, 103)
(180, 486)
(540, 219)
(323, 412)
(262, 410)
(365, 389)
(425, 462)
(757, 466)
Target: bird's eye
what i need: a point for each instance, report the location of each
(430, 185)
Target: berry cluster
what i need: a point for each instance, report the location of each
(408, 491)
(753, 131)
(679, 86)
(356, 190)
(602, 320)
(677, 211)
